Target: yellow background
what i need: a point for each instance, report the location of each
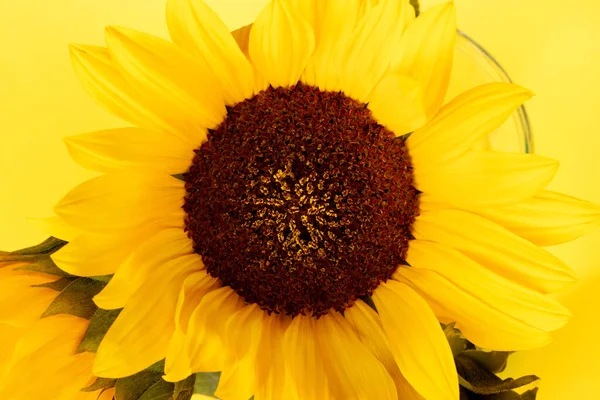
(550, 46)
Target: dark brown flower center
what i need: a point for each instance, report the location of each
(300, 201)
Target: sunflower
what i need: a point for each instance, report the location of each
(38, 356)
(295, 207)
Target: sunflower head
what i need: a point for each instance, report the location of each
(312, 219)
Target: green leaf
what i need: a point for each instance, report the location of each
(132, 387)
(184, 389)
(43, 264)
(99, 324)
(477, 379)
(158, 366)
(102, 278)
(415, 5)
(457, 343)
(493, 361)
(48, 246)
(99, 383)
(181, 177)
(161, 390)
(37, 258)
(76, 299)
(58, 285)
(206, 383)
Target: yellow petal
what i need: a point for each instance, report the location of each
(242, 38)
(524, 304)
(425, 53)
(274, 382)
(371, 48)
(336, 22)
(108, 394)
(195, 287)
(56, 227)
(205, 340)
(9, 336)
(196, 28)
(308, 10)
(367, 324)
(177, 362)
(546, 219)
(124, 200)
(367, 5)
(21, 304)
(397, 104)
(45, 362)
(95, 254)
(281, 43)
(485, 178)
(303, 359)
(417, 341)
(481, 324)
(238, 379)
(140, 335)
(162, 247)
(122, 148)
(105, 84)
(352, 371)
(464, 121)
(495, 248)
(183, 88)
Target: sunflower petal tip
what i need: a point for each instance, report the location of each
(527, 93)
(69, 140)
(75, 48)
(116, 33)
(78, 52)
(113, 29)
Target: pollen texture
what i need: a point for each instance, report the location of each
(300, 201)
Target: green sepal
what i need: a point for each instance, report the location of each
(530, 394)
(158, 366)
(477, 369)
(492, 361)
(58, 285)
(161, 390)
(44, 265)
(99, 383)
(76, 299)
(503, 396)
(206, 383)
(134, 386)
(416, 6)
(102, 278)
(457, 343)
(474, 377)
(99, 324)
(48, 246)
(36, 258)
(184, 389)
